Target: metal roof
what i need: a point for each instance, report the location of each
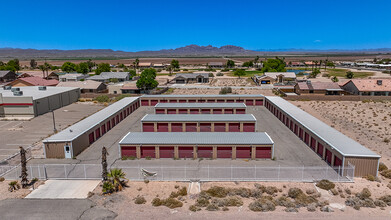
(200, 105)
(204, 96)
(197, 138)
(35, 93)
(74, 131)
(199, 118)
(341, 143)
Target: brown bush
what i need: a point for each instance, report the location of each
(386, 174)
(212, 207)
(271, 190)
(180, 192)
(285, 201)
(294, 192)
(364, 194)
(386, 199)
(157, 202)
(172, 203)
(217, 191)
(243, 192)
(325, 184)
(202, 202)
(370, 178)
(382, 167)
(262, 205)
(194, 208)
(334, 192)
(140, 200)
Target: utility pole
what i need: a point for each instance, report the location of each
(54, 123)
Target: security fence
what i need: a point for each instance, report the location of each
(187, 173)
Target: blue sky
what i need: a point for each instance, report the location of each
(153, 25)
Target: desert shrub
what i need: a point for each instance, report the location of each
(140, 200)
(194, 208)
(146, 181)
(291, 209)
(121, 97)
(217, 191)
(260, 187)
(2, 179)
(243, 192)
(211, 75)
(157, 202)
(225, 209)
(229, 201)
(364, 194)
(386, 174)
(202, 202)
(212, 207)
(380, 203)
(334, 192)
(221, 74)
(271, 190)
(180, 192)
(302, 200)
(386, 199)
(148, 158)
(262, 205)
(225, 90)
(382, 167)
(294, 192)
(256, 193)
(310, 191)
(102, 98)
(285, 201)
(172, 203)
(325, 184)
(370, 177)
(348, 191)
(312, 207)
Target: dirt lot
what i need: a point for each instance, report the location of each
(213, 91)
(369, 123)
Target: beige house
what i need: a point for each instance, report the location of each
(88, 86)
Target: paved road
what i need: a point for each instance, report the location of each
(62, 209)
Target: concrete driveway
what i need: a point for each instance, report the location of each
(64, 189)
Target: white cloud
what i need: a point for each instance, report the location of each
(317, 41)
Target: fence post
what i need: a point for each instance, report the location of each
(85, 173)
(45, 172)
(65, 172)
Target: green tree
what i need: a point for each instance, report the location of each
(33, 64)
(334, 79)
(314, 73)
(135, 63)
(68, 67)
(12, 65)
(175, 64)
(90, 65)
(117, 178)
(349, 74)
(43, 69)
(132, 73)
(169, 69)
(82, 68)
(230, 64)
(274, 65)
(239, 73)
(248, 64)
(147, 80)
(102, 67)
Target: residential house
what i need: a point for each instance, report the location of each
(275, 77)
(319, 88)
(7, 76)
(191, 78)
(32, 81)
(144, 65)
(159, 65)
(72, 77)
(55, 75)
(87, 86)
(368, 87)
(23, 75)
(215, 65)
(110, 76)
(131, 88)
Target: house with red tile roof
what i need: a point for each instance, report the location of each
(368, 87)
(33, 81)
(320, 88)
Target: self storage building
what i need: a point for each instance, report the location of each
(198, 123)
(74, 139)
(249, 100)
(249, 145)
(31, 101)
(331, 145)
(200, 108)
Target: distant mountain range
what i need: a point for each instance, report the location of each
(187, 51)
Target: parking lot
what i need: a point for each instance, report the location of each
(25, 133)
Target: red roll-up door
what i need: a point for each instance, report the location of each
(243, 152)
(147, 152)
(160, 111)
(113, 122)
(191, 127)
(201, 101)
(121, 116)
(205, 152)
(117, 119)
(328, 156)
(91, 138)
(219, 127)
(307, 139)
(171, 111)
(162, 127)
(166, 152)
(228, 111)
(128, 151)
(313, 143)
(205, 111)
(103, 128)
(148, 127)
(182, 101)
(194, 111)
(144, 102)
(224, 152)
(176, 127)
(217, 111)
(211, 100)
(205, 127)
(337, 161)
(108, 125)
(249, 127)
(291, 126)
(185, 152)
(301, 133)
(320, 149)
(182, 111)
(249, 102)
(234, 127)
(259, 102)
(296, 129)
(240, 111)
(173, 101)
(191, 100)
(163, 101)
(263, 152)
(154, 102)
(97, 133)
(230, 100)
(220, 100)
(239, 101)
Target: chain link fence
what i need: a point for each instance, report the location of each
(187, 173)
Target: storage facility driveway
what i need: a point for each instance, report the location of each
(64, 189)
(25, 133)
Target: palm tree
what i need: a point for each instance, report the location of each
(42, 68)
(104, 164)
(135, 64)
(47, 68)
(23, 162)
(117, 178)
(107, 187)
